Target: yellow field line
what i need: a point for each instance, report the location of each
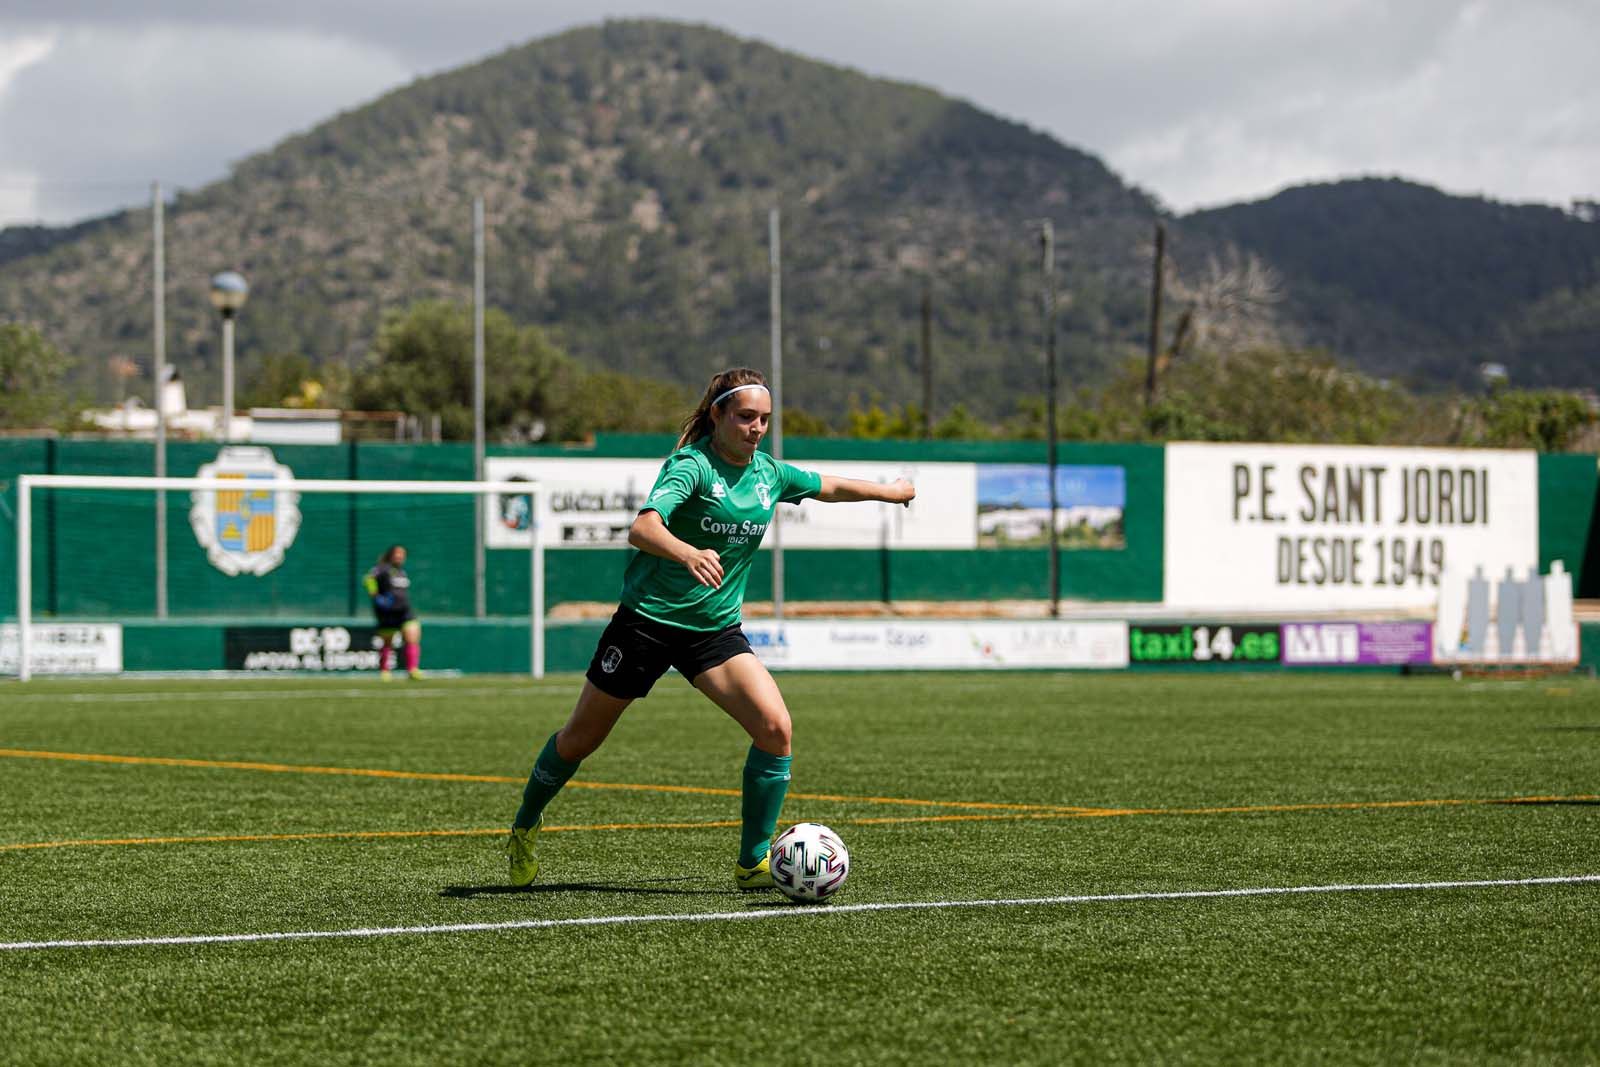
(1372, 805)
(438, 776)
(1242, 809)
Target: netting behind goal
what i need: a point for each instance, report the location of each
(261, 573)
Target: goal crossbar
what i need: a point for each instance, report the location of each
(26, 483)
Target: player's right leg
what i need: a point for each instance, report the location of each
(588, 726)
(387, 635)
(742, 687)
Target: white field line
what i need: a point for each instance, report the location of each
(797, 912)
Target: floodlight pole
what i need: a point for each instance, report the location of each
(775, 263)
(227, 375)
(24, 575)
(159, 374)
(535, 587)
(228, 294)
(477, 406)
(1048, 240)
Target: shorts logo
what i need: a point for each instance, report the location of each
(764, 491)
(611, 660)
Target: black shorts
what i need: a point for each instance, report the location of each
(394, 620)
(634, 651)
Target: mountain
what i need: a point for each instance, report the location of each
(1408, 282)
(627, 171)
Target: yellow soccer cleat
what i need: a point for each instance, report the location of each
(386, 675)
(414, 675)
(523, 852)
(752, 878)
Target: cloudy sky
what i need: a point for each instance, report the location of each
(1200, 102)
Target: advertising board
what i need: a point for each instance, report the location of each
(1211, 644)
(940, 644)
(64, 648)
(1353, 644)
(300, 648)
(592, 502)
(1310, 527)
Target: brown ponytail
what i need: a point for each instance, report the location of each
(699, 424)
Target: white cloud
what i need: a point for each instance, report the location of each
(111, 109)
(1203, 102)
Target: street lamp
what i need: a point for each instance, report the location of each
(228, 293)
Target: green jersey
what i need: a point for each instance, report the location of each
(710, 503)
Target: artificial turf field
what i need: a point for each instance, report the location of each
(215, 813)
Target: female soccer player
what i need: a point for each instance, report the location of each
(681, 597)
(390, 590)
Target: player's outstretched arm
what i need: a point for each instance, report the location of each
(650, 534)
(836, 490)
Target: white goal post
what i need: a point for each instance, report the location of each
(482, 491)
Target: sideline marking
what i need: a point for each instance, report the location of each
(797, 912)
(436, 776)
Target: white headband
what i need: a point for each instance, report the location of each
(735, 389)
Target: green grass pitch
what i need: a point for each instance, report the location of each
(212, 818)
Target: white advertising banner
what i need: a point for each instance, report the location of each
(64, 648)
(844, 645)
(1324, 527)
(592, 502)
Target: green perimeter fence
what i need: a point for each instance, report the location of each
(93, 552)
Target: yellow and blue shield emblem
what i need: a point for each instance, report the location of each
(245, 530)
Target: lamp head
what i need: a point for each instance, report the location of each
(229, 291)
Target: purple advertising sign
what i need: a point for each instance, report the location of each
(1352, 644)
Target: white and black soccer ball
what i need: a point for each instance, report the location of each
(809, 863)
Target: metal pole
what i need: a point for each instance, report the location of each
(1048, 238)
(24, 574)
(227, 375)
(159, 372)
(535, 586)
(774, 261)
(927, 358)
(1157, 276)
(477, 405)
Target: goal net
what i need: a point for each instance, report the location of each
(255, 570)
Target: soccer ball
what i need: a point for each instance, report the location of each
(809, 863)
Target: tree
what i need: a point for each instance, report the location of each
(288, 380)
(422, 364)
(590, 402)
(32, 376)
(1547, 419)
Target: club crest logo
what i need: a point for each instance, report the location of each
(718, 490)
(244, 531)
(612, 659)
(764, 491)
(516, 512)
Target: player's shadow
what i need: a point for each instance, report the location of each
(649, 887)
(1550, 802)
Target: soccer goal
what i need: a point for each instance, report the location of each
(255, 570)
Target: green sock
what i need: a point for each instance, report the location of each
(766, 782)
(550, 773)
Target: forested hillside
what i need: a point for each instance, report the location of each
(1407, 281)
(628, 171)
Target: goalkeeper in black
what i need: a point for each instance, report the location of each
(390, 590)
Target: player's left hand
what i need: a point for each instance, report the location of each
(901, 491)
